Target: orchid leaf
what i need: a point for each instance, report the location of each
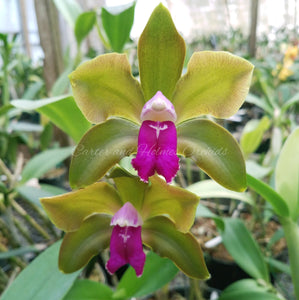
(162, 269)
(243, 248)
(160, 234)
(214, 150)
(89, 289)
(175, 203)
(248, 289)
(216, 83)
(104, 87)
(58, 109)
(161, 53)
(100, 148)
(68, 211)
(80, 246)
(252, 134)
(287, 174)
(84, 24)
(278, 203)
(117, 22)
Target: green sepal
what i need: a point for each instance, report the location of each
(161, 54)
(183, 249)
(80, 246)
(214, 150)
(104, 87)
(216, 83)
(68, 211)
(159, 199)
(101, 148)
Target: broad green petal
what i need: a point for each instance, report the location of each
(104, 87)
(216, 83)
(175, 203)
(287, 174)
(215, 151)
(80, 246)
(160, 234)
(101, 148)
(161, 54)
(68, 211)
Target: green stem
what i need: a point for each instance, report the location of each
(195, 292)
(291, 232)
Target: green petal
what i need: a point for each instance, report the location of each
(100, 148)
(104, 86)
(68, 211)
(182, 248)
(80, 246)
(178, 204)
(216, 83)
(214, 150)
(161, 53)
(159, 199)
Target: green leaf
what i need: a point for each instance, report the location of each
(33, 194)
(46, 136)
(278, 265)
(70, 10)
(162, 270)
(160, 234)
(203, 211)
(44, 161)
(100, 149)
(214, 150)
(19, 251)
(243, 248)
(84, 24)
(256, 170)
(207, 189)
(292, 101)
(248, 289)
(253, 133)
(68, 211)
(216, 83)
(84, 289)
(117, 23)
(104, 87)
(58, 109)
(41, 279)
(260, 102)
(161, 53)
(80, 246)
(287, 174)
(278, 203)
(5, 109)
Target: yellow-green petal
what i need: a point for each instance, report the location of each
(215, 151)
(216, 83)
(175, 203)
(104, 87)
(161, 54)
(101, 148)
(183, 249)
(80, 246)
(68, 211)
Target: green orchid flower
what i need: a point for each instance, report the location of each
(157, 215)
(161, 116)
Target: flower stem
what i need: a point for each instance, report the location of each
(291, 232)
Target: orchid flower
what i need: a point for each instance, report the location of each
(157, 215)
(162, 116)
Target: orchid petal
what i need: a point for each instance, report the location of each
(100, 149)
(215, 151)
(80, 246)
(161, 54)
(183, 249)
(126, 248)
(157, 145)
(104, 86)
(68, 211)
(216, 83)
